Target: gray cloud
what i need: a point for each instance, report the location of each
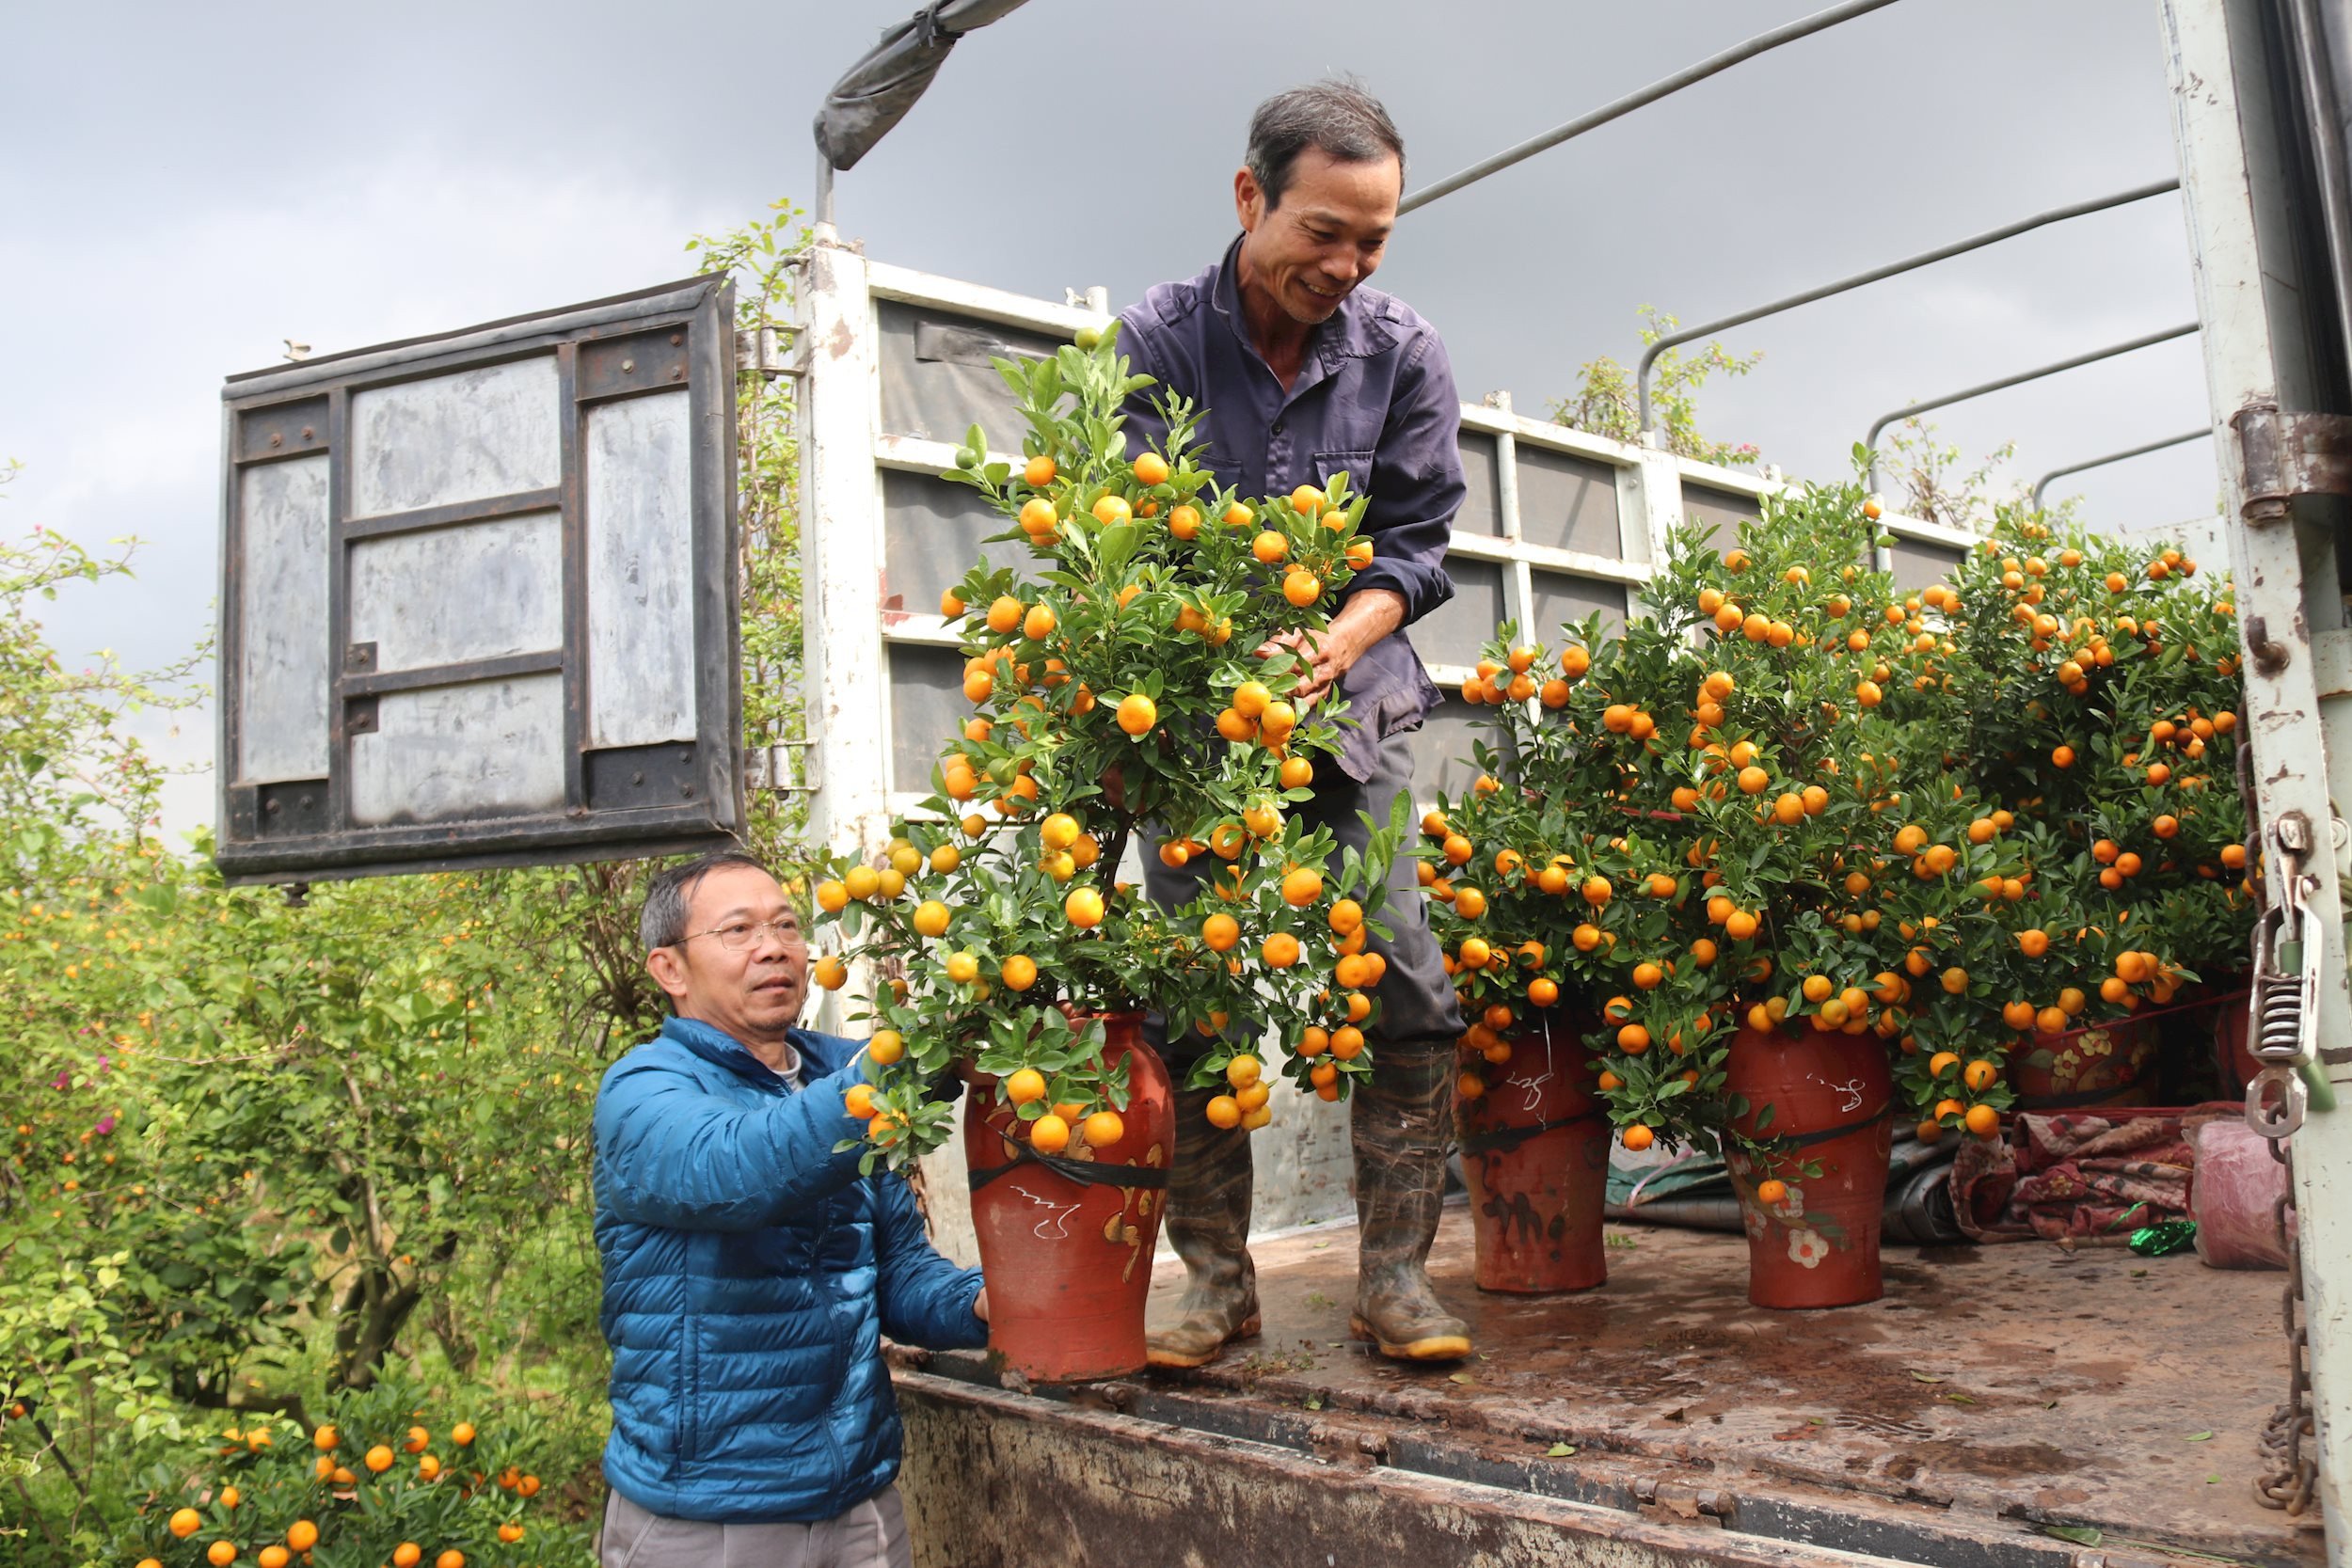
(189, 185)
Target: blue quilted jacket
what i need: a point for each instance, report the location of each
(749, 1276)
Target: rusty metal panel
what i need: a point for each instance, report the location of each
(401, 600)
(1128, 1490)
(461, 752)
(282, 430)
(642, 362)
(489, 431)
(640, 608)
(284, 678)
(478, 596)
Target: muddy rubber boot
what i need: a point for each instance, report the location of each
(1208, 1224)
(1400, 1125)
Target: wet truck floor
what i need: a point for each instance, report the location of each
(2007, 1406)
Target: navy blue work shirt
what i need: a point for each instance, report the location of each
(1374, 396)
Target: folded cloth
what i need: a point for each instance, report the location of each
(2089, 1177)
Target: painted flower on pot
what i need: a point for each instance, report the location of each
(1791, 1206)
(1807, 1246)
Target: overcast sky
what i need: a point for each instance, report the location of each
(187, 186)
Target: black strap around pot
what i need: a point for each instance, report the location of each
(1506, 1140)
(1091, 1173)
(1804, 1139)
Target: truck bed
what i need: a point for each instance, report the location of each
(1995, 1392)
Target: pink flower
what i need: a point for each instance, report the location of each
(106, 1124)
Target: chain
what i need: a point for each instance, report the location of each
(2286, 1442)
(2283, 1002)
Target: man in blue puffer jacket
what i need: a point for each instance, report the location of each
(750, 1273)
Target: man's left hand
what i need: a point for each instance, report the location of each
(1369, 615)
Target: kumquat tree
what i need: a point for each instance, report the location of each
(1119, 685)
(2104, 708)
(1736, 810)
(384, 1482)
(1969, 822)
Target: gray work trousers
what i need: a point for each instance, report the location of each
(873, 1534)
(1418, 1008)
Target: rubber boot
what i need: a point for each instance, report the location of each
(1208, 1226)
(1400, 1126)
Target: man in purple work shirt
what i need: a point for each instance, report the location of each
(1304, 372)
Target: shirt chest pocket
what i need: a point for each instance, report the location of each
(1355, 462)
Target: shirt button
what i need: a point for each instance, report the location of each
(1277, 427)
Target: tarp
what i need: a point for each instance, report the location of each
(1694, 1189)
(876, 93)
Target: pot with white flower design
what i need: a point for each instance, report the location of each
(2096, 1065)
(1812, 1128)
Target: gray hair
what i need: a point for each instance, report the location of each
(662, 922)
(1336, 115)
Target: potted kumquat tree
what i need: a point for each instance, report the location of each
(1746, 815)
(2104, 705)
(1508, 905)
(1117, 686)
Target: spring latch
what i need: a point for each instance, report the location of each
(2283, 999)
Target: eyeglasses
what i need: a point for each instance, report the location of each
(736, 935)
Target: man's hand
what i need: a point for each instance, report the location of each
(979, 1304)
(1369, 615)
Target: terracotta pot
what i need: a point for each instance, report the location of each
(1832, 1097)
(1067, 1251)
(2233, 1039)
(1535, 1154)
(2096, 1065)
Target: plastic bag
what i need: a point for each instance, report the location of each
(2235, 1197)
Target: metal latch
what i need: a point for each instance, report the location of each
(2288, 455)
(2283, 1002)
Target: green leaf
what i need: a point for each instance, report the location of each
(1117, 546)
(2081, 1535)
(2200, 1437)
(1560, 1450)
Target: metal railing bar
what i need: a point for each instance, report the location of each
(1911, 410)
(1664, 87)
(1892, 269)
(2044, 483)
